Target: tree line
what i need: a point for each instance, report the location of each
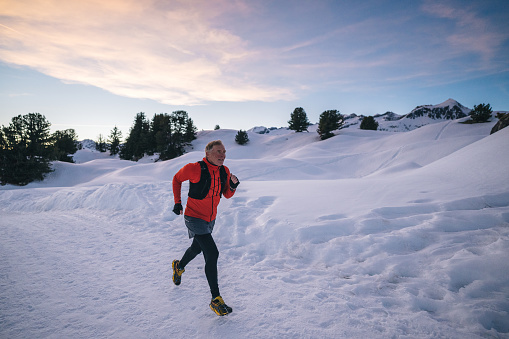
(27, 147)
(330, 121)
(166, 134)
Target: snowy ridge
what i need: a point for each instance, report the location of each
(420, 116)
(424, 115)
(367, 234)
(88, 144)
(449, 110)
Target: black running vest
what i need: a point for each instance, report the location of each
(200, 189)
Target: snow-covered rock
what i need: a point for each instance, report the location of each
(447, 110)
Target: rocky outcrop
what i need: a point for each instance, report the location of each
(388, 116)
(502, 122)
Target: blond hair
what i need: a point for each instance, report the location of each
(211, 144)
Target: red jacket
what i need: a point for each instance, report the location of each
(205, 209)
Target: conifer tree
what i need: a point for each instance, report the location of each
(100, 144)
(191, 130)
(114, 141)
(138, 141)
(25, 149)
(298, 120)
(330, 121)
(65, 143)
(481, 113)
(162, 131)
(369, 123)
(241, 138)
(183, 132)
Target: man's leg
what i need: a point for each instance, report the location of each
(211, 254)
(190, 253)
(178, 266)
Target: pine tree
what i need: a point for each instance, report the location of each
(25, 149)
(330, 121)
(138, 141)
(190, 133)
(369, 123)
(298, 120)
(241, 138)
(65, 143)
(100, 144)
(184, 132)
(162, 131)
(114, 141)
(481, 113)
(38, 135)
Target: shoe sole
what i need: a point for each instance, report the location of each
(219, 313)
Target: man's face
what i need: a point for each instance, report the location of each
(216, 155)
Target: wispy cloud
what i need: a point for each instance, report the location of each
(15, 95)
(170, 52)
(471, 32)
(188, 52)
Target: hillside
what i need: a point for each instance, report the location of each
(370, 234)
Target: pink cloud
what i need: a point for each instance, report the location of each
(170, 52)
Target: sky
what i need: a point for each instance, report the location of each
(92, 65)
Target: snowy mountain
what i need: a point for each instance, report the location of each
(388, 116)
(425, 115)
(369, 234)
(88, 144)
(420, 116)
(448, 110)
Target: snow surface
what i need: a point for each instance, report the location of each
(364, 235)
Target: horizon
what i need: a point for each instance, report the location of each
(346, 117)
(233, 63)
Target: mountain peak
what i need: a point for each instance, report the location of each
(447, 110)
(451, 103)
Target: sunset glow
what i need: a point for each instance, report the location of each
(238, 60)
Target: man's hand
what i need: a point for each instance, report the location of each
(234, 182)
(177, 209)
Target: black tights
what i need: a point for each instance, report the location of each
(204, 243)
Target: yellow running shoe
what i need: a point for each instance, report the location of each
(177, 272)
(219, 307)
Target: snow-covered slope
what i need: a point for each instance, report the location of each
(367, 234)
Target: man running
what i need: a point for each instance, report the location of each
(209, 180)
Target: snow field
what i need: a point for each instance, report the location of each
(367, 234)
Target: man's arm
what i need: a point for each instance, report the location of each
(177, 195)
(177, 187)
(232, 184)
(188, 172)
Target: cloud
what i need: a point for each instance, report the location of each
(171, 52)
(472, 33)
(14, 95)
(192, 52)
